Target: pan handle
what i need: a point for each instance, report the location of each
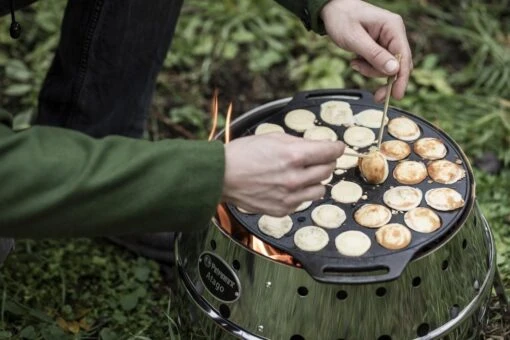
(367, 270)
(358, 96)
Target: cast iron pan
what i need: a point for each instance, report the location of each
(378, 264)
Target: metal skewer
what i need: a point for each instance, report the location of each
(391, 80)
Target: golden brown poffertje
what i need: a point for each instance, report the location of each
(372, 215)
(422, 220)
(374, 167)
(395, 150)
(445, 172)
(444, 199)
(430, 148)
(410, 172)
(393, 236)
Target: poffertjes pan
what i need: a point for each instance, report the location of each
(378, 216)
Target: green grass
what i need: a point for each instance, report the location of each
(88, 289)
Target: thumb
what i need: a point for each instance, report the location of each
(373, 53)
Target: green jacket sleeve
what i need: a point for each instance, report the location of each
(308, 11)
(57, 182)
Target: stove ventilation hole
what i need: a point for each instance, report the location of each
(297, 337)
(381, 291)
(454, 311)
(416, 281)
(444, 265)
(341, 295)
(302, 291)
(384, 337)
(464, 244)
(236, 265)
(423, 329)
(224, 311)
(213, 244)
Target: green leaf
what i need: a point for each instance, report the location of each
(119, 317)
(53, 332)
(40, 315)
(17, 70)
(101, 261)
(142, 273)
(140, 292)
(430, 62)
(188, 114)
(22, 120)
(5, 335)
(230, 50)
(17, 90)
(129, 301)
(264, 60)
(48, 21)
(204, 47)
(3, 58)
(108, 334)
(14, 308)
(243, 36)
(28, 333)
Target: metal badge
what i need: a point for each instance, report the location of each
(218, 278)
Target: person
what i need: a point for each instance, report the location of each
(82, 170)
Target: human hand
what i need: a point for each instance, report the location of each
(376, 36)
(274, 173)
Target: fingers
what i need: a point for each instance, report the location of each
(375, 34)
(311, 193)
(319, 152)
(400, 85)
(365, 68)
(377, 56)
(292, 201)
(380, 94)
(287, 204)
(315, 174)
(379, 62)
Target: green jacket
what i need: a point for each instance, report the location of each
(58, 182)
(308, 11)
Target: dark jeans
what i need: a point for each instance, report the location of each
(103, 76)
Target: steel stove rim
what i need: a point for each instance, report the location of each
(444, 329)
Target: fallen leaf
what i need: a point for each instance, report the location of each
(62, 323)
(84, 324)
(73, 327)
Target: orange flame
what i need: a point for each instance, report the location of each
(227, 123)
(214, 114)
(265, 249)
(226, 220)
(223, 218)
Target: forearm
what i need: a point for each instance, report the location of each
(61, 183)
